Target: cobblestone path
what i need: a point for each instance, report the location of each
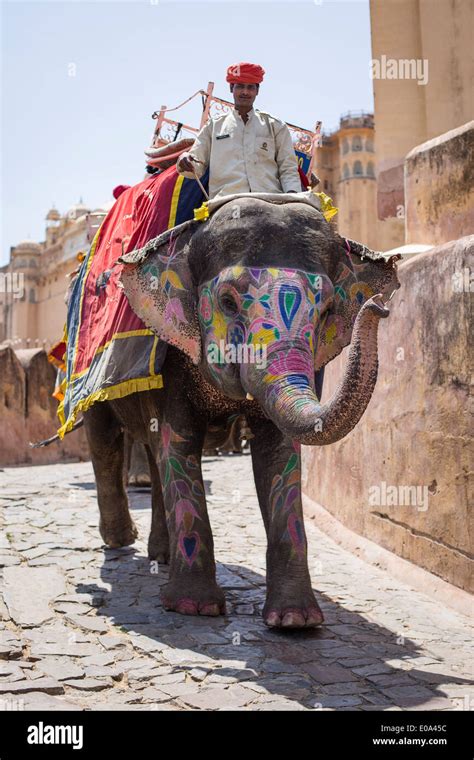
(82, 627)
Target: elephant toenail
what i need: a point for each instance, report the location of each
(293, 620)
(273, 619)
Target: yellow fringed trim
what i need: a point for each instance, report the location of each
(56, 363)
(60, 364)
(107, 394)
(59, 393)
(327, 208)
(175, 201)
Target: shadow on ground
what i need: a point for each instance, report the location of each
(345, 664)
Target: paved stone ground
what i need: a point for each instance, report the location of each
(82, 627)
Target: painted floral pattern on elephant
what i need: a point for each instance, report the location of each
(183, 493)
(264, 309)
(285, 502)
(355, 282)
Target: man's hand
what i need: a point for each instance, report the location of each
(186, 161)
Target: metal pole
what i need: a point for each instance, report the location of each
(159, 124)
(315, 143)
(207, 107)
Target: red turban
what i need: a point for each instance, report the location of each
(245, 73)
(117, 191)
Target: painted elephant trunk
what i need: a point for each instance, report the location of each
(295, 408)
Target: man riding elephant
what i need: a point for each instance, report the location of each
(246, 150)
(263, 274)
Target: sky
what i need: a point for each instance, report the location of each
(81, 79)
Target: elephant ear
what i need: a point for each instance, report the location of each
(360, 273)
(158, 284)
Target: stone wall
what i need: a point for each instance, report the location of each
(417, 430)
(426, 92)
(439, 188)
(28, 411)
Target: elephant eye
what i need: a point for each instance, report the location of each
(228, 304)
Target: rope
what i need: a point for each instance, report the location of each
(155, 114)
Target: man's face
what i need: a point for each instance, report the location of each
(244, 94)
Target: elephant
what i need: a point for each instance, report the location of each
(230, 439)
(251, 302)
(218, 440)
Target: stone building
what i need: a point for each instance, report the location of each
(345, 164)
(34, 282)
(423, 87)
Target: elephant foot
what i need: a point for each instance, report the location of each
(118, 534)
(292, 610)
(177, 598)
(159, 550)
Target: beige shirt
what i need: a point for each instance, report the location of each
(253, 157)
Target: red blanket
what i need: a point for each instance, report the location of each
(109, 351)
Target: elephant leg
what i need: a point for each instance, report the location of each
(290, 601)
(192, 588)
(158, 541)
(138, 470)
(127, 453)
(106, 443)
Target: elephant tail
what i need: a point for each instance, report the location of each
(47, 441)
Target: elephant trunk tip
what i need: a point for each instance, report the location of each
(377, 306)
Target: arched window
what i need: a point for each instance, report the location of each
(358, 169)
(345, 171)
(326, 184)
(32, 295)
(369, 145)
(370, 169)
(345, 146)
(356, 143)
